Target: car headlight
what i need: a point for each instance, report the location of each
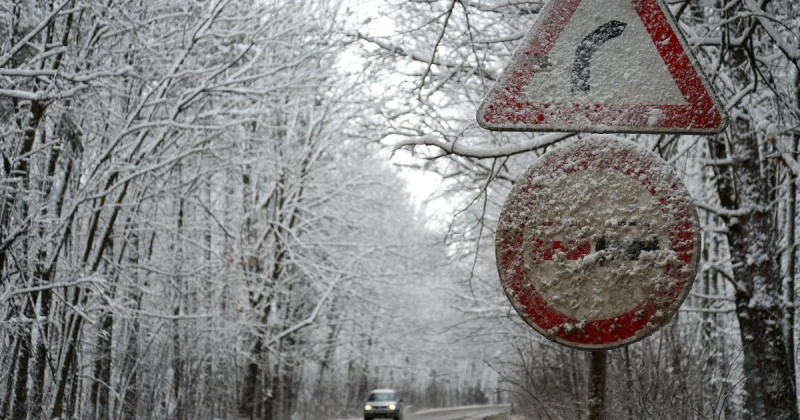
(367, 407)
(392, 407)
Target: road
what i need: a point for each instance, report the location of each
(473, 412)
(478, 412)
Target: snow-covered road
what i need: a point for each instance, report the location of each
(478, 412)
(472, 412)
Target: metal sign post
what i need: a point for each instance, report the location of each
(597, 386)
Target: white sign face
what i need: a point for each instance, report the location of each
(623, 69)
(603, 66)
(605, 207)
(598, 243)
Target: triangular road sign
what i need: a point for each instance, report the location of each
(603, 66)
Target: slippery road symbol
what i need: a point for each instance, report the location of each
(584, 52)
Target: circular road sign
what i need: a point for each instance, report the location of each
(598, 243)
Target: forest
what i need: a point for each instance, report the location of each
(231, 209)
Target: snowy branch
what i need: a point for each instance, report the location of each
(427, 60)
(456, 148)
(720, 211)
(32, 33)
(789, 51)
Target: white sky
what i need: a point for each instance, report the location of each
(368, 18)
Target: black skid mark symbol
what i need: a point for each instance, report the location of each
(584, 52)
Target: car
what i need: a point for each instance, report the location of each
(383, 403)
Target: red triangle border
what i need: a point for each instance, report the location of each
(502, 110)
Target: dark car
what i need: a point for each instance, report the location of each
(383, 404)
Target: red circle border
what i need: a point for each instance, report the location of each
(683, 231)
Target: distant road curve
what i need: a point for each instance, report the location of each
(474, 412)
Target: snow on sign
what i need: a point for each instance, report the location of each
(597, 244)
(603, 66)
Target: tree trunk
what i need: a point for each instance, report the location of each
(177, 350)
(66, 375)
(20, 404)
(102, 369)
(130, 398)
(791, 245)
(130, 395)
(753, 237)
(5, 409)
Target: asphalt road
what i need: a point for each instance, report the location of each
(459, 413)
